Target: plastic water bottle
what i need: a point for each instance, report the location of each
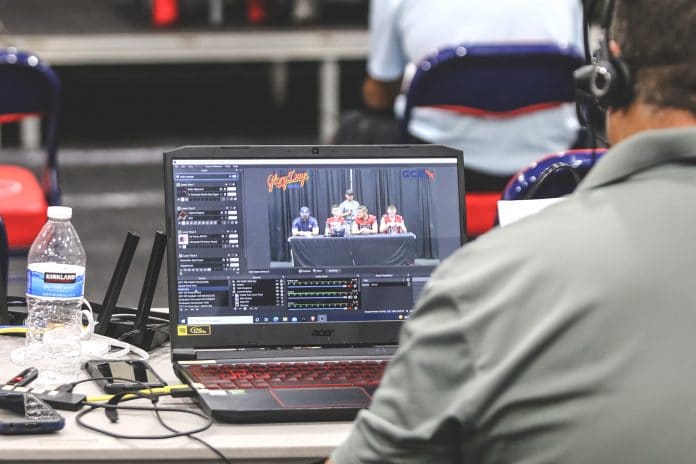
(55, 288)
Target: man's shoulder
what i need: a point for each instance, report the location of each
(547, 239)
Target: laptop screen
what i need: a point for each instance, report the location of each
(346, 235)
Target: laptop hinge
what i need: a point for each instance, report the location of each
(183, 354)
(294, 352)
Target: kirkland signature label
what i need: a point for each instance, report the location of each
(55, 280)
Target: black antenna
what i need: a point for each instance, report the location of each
(150, 284)
(116, 284)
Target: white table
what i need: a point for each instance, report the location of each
(257, 443)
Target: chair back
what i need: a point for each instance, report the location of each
(493, 80)
(28, 86)
(552, 176)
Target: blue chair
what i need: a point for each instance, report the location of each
(28, 86)
(552, 176)
(492, 80)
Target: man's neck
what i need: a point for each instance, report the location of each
(640, 117)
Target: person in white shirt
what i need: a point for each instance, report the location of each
(404, 32)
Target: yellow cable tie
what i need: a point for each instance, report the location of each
(157, 391)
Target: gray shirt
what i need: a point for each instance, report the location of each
(567, 337)
(349, 205)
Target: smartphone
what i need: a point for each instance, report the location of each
(129, 375)
(22, 413)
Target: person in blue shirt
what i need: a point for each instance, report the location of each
(305, 225)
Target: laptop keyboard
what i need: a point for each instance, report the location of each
(289, 374)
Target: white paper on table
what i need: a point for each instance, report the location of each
(511, 211)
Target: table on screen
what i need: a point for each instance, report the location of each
(354, 250)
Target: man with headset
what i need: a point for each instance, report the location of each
(568, 337)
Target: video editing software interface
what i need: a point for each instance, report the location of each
(239, 263)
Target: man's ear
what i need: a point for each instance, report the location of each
(614, 48)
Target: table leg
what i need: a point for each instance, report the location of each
(329, 99)
(279, 82)
(30, 132)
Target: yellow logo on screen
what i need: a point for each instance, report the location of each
(193, 330)
(292, 179)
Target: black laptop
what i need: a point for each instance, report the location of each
(271, 326)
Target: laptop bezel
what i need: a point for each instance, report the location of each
(328, 334)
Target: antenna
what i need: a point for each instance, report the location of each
(116, 283)
(150, 284)
(142, 330)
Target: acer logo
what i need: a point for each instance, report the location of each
(323, 333)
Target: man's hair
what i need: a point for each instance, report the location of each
(363, 208)
(391, 207)
(656, 39)
(334, 206)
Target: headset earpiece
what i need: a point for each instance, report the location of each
(607, 80)
(610, 81)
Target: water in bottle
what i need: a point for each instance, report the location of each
(55, 288)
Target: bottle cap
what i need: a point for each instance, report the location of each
(59, 212)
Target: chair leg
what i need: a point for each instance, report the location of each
(4, 268)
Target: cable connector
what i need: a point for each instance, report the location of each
(66, 387)
(183, 392)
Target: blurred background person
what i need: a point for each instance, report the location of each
(404, 32)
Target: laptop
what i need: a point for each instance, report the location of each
(269, 326)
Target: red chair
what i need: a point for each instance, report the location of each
(492, 80)
(165, 12)
(28, 87)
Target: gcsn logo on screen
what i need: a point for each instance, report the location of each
(418, 174)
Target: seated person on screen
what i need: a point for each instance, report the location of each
(305, 225)
(392, 223)
(335, 224)
(364, 223)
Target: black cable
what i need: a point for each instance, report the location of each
(95, 406)
(199, 440)
(588, 8)
(115, 406)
